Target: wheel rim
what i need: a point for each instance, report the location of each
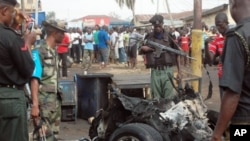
(128, 138)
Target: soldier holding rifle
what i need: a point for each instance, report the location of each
(162, 65)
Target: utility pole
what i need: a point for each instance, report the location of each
(157, 10)
(197, 14)
(169, 12)
(196, 65)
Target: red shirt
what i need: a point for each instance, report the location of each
(216, 47)
(64, 49)
(184, 43)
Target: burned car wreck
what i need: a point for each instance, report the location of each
(136, 119)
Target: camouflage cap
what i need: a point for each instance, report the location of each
(55, 25)
(10, 2)
(156, 19)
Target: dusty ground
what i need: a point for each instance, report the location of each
(73, 130)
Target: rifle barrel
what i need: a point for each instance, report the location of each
(166, 48)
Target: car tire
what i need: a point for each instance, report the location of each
(139, 131)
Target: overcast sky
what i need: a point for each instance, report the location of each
(71, 9)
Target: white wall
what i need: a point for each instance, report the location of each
(77, 24)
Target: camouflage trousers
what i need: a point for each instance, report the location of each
(50, 108)
(87, 59)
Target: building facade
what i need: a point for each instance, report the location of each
(208, 15)
(30, 5)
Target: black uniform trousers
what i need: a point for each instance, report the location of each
(13, 115)
(75, 54)
(63, 58)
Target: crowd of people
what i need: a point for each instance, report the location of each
(87, 46)
(122, 45)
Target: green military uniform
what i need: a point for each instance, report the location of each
(161, 67)
(49, 100)
(161, 86)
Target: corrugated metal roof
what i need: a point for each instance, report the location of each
(111, 19)
(209, 11)
(175, 16)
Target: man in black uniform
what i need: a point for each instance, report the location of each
(161, 67)
(16, 66)
(235, 81)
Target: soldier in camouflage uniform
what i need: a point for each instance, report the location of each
(47, 85)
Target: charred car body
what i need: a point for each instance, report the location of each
(137, 119)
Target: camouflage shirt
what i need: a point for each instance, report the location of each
(49, 61)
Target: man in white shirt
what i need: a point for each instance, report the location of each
(121, 46)
(175, 33)
(75, 36)
(114, 45)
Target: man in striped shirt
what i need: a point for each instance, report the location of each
(215, 47)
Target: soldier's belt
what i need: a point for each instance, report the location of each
(12, 86)
(162, 67)
(48, 88)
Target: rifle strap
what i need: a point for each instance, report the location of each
(210, 86)
(246, 48)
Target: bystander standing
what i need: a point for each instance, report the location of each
(63, 50)
(88, 50)
(235, 82)
(16, 67)
(103, 47)
(215, 47)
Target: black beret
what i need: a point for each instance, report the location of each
(11, 2)
(55, 25)
(156, 19)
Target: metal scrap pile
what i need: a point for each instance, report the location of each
(184, 118)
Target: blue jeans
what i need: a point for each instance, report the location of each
(122, 55)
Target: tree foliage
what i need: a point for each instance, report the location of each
(130, 4)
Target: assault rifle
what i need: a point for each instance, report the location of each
(39, 133)
(159, 49)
